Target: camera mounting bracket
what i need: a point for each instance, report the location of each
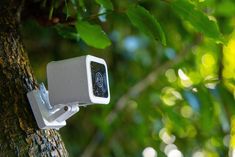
(46, 115)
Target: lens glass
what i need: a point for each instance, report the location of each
(99, 80)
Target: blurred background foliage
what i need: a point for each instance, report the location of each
(173, 96)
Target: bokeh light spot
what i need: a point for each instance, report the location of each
(174, 153)
(166, 137)
(208, 60)
(171, 76)
(198, 154)
(169, 147)
(149, 152)
(186, 111)
(182, 75)
(185, 80)
(170, 96)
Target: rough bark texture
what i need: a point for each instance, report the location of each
(19, 134)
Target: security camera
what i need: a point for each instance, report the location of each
(82, 80)
(72, 83)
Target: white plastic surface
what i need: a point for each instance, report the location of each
(41, 112)
(70, 81)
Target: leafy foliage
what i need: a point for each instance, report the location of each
(106, 4)
(93, 35)
(174, 97)
(199, 20)
(67, 32)
(145, 22)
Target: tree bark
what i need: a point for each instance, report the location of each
(19, 134)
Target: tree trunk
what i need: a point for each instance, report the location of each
(19, 134)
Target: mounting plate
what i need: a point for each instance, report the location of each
(41, 112)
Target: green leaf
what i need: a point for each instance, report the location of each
(67, 32)
(93, 35)
(107, 4)
(145, 22)
(207, 111)
(197, 19)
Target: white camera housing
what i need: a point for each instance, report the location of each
(72, 83)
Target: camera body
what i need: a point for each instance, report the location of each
(72, 83)
(82, 80)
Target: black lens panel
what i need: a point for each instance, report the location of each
(99, 80)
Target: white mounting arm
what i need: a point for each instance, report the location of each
(46, 115)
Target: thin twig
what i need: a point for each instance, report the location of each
(97, 15)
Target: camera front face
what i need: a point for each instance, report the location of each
(98, 82)
(99, 79)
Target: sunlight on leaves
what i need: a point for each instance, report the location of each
(197, 19)
(229, 64)
(170, 96)
(184, 79)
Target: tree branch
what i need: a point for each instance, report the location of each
(133, 92)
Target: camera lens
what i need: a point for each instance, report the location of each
(99, 80)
